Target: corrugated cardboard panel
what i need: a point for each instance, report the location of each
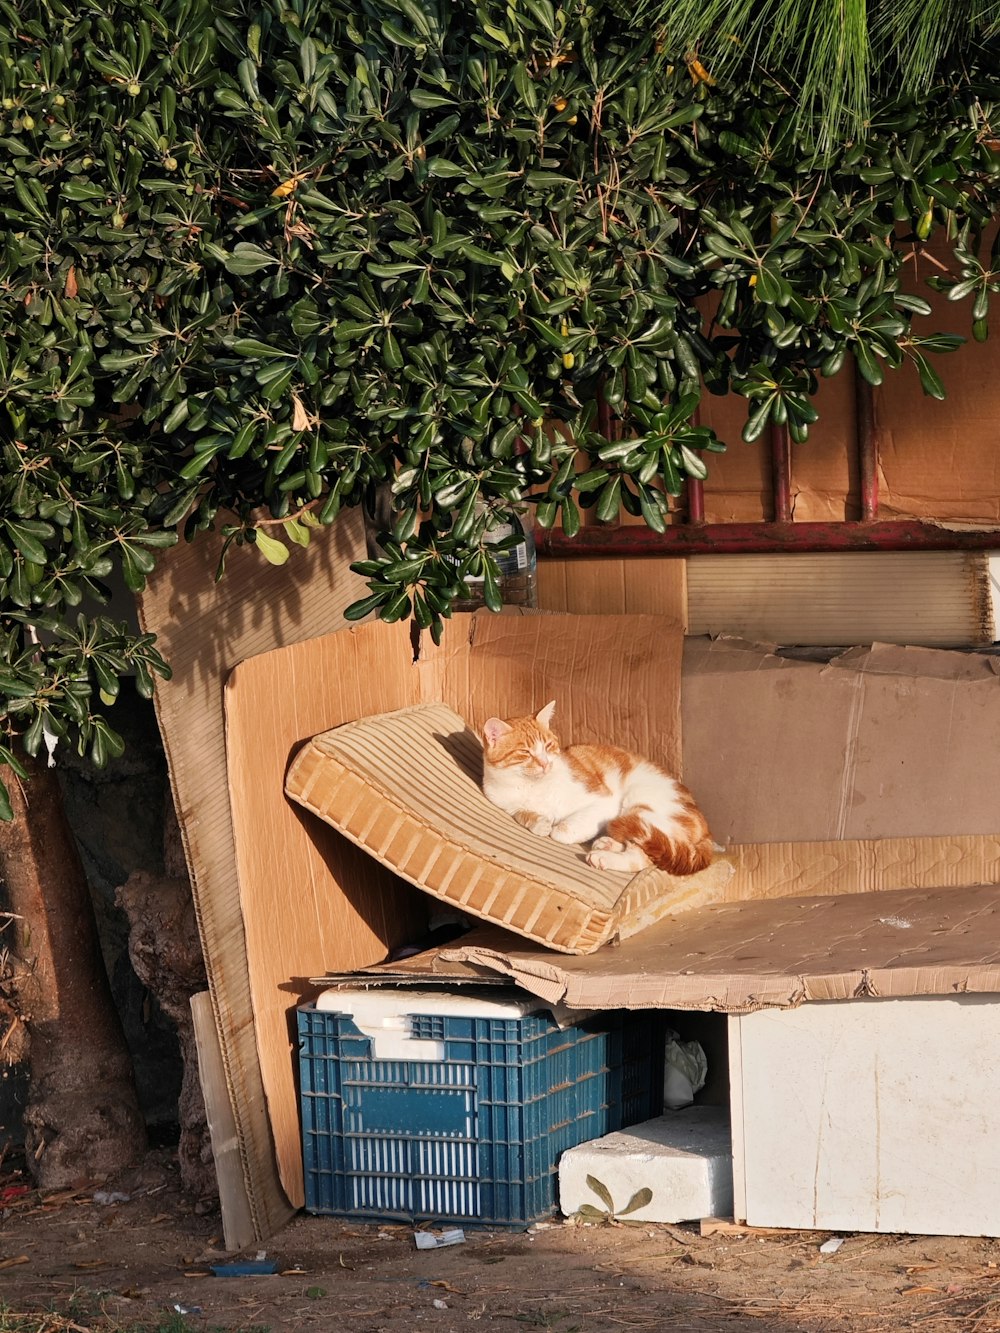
(934, 597)
(615, 679)
(614, 587)
(204, 628)
(311, 900)
(296, 913)
(238, 1229)
(741, 956)
(939, 598)
(851, 865)
(880, 742)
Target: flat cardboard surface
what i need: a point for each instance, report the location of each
(885, 742)
(636, 586)
(745, 955)
(204, 628)
(311, 901)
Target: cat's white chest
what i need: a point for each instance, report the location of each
(553, 795)
(514, 792)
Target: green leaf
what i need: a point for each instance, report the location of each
(366, 605)
(79, 190)
(868, 364)
(26, 537)
(273, 551)
(609, 501)
(442, 167)
(248, 258)
(930, 381)
(422, 98)
(638, 1200)
(694, 464)
(603, 1193)
(253, 347)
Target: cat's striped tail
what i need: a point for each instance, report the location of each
(685, 850)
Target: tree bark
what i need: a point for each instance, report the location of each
(82, 1121)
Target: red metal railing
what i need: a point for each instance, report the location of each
(694, 536)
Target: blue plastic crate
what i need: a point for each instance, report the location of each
(474, 1137)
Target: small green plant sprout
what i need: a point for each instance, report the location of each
(587, 1212)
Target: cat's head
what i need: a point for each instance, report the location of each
(525, 743)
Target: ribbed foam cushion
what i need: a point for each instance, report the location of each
(405, 786)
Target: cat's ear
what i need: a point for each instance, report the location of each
(544, 715)
(493, 729)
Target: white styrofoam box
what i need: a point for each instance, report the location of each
(683, 1157)
(384, 1015)
(869, 1115)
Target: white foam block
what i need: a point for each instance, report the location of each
(684, 1157)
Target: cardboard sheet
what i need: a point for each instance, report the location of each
(935, 598)
(886, 742)
(204, 628)
(742, 956)
(310, 900)
(598, 586)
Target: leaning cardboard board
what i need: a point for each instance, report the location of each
(305, 890)
(618, 677)
(204, 628)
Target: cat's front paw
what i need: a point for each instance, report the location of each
(539, 824)
(563, 831)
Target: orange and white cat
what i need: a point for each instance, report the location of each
(636, 814)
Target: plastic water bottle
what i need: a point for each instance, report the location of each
(517, 565)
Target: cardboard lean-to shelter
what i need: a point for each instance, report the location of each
(855, 794)
(204, 627)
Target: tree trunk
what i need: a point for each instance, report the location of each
(82, 1121)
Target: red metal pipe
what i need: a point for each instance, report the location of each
(764, 538)
(867, 434)
(695, 488)
(781, 474)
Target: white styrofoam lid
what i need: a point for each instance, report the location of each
(371, 1008)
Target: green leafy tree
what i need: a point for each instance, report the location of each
(262, 260)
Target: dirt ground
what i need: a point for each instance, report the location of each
(86, 1260)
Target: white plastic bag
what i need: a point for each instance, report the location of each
(684, 1071)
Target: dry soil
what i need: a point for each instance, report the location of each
(136, 1255)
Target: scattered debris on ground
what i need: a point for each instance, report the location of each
(137, 1255)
